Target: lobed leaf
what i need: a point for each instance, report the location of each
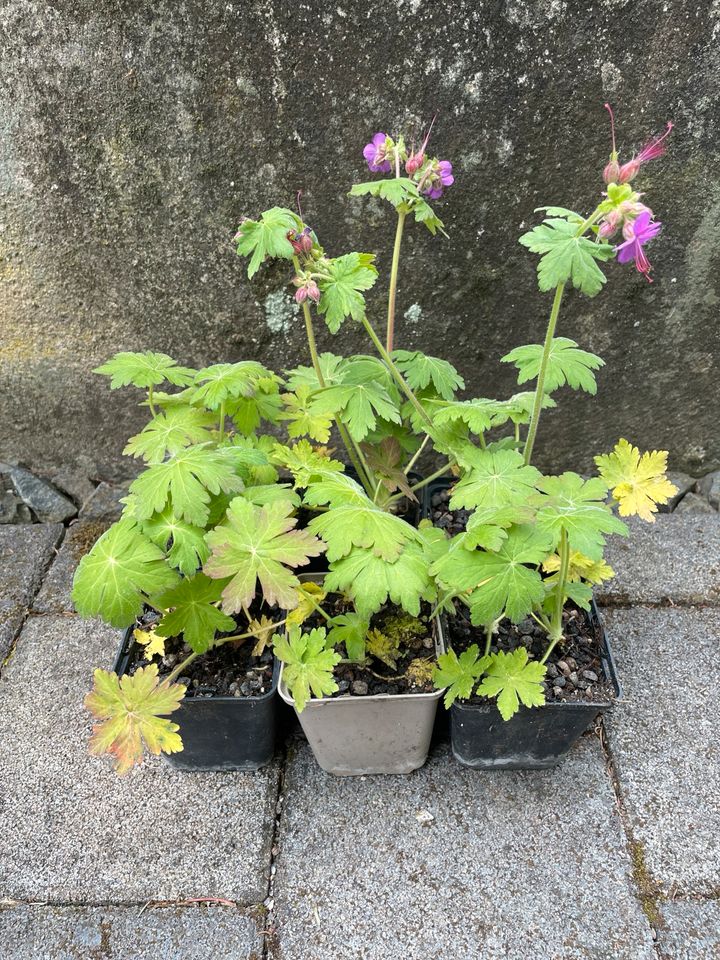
(144, 370)
(308, 664)
(191, 611)
(267, 237)
(459, 674)
(342, 289)
(638, 483)
(567, 257)
(512, 679)
(566, 365)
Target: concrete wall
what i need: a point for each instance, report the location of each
(134, 135)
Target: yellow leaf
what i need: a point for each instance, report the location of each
(638, 482)
(310, 596)
(153, 642)
(383, 647)
(581, 568)
(420, 671)
(267, 626)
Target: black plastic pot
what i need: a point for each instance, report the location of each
(219, 733)
(535, 738)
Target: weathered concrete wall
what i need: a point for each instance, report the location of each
(134, 135)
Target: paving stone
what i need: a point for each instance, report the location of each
(54, 595)
(73, 831)
(694, 503)
(663, 736)
(25, 553)
(513, 865)
(120, 933)
(46, 502)
(691, 932)
(104, 504)
(676, 558)
(709, 486)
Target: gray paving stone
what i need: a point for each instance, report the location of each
(25, 553)
(691, 932)
(122, 933)
(104, 503)
(676, 558)
(54, 595)
(664, 738)
(514, 865)
(72, 831)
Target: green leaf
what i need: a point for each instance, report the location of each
(337, 490)
(487, 526)
(308, 664)
(305, 462)
(121, 570)
(130, 710)
(561, 212)
(480, 415)
(358, 406)
(350, 629)
(263, 494)
(192, 612)
(500, 583)
(341, 295)
(304, 422)
(420, 371)
(520, 405)
(402, 193)
(170, 433)
(362, 525)
(577, 506)
(459, 674)
(259, 544)
(512, 679)
(370, 581)
(188, 550)
(566, 364)
(331, 368)
(189, 479)
(224, 381)
(267, 237)
(567, 257)
(496, 479)
(144, 370)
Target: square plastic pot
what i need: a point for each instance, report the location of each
(535, 738)
(352, 736)
(219, 733)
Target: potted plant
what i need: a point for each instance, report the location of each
(204, 524)
(528, 548)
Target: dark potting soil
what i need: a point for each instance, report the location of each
(416, 644)
(227, 671)
(574, 668)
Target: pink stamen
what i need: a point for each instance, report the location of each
(654, 148)
(612, 125)
(427, 135)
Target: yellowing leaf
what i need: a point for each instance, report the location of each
(130, 711)
(638, 482)
(420, 671)
(581, 568)
(152, 641)
(310, 596)
(383, 647)
(265, 627)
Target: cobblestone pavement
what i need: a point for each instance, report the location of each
(613, 855)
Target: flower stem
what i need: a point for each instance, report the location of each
(394, 269)
(221, 436)
(153, 410)
(416, 455)
(540, 387)
(400, 380)
(422, 483)
(556, 622)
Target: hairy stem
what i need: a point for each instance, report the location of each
(540, 387)
(416, 455)
(240, 636)
(488, 638)
(151, 405)
(221, 435)
(389, 340)
(399, 379)
(556, 622)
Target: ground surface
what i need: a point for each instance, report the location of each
(613, 855)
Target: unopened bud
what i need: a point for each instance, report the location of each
(628, 171)
(305, 241)
(301, 294)
(414, 162)
(611, 171)
(312, 291)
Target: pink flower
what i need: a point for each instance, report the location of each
(637, 233)
(375, 153)
(437, 176)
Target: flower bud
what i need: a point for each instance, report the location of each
(628, 171)
(305, 241)
(312, 291)
(611, 171)
(414, 162)
(301, 294)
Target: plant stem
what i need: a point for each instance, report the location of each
(416, 455)
(540, 387)
(393, 282)
(221, 437)
(354, 452)
(488, 638)
(153, 410)
(240, 636)
(399, 379)
(556, 623)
